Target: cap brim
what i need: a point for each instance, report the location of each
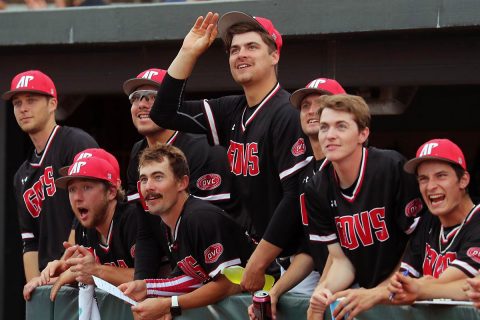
(411, 165)
(62, 182)
(233, 17)
(297, 97)
(63, 170)
(130, 85)
(9, 94)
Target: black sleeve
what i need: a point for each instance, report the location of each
(28, 228)
(414, 253)
(132, 169)
(129, 227)
(149, 254)
(285, 227)
(171, 112)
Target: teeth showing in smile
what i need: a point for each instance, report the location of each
(144, 116)
(436, 198)
(242, 66)
(313, 121)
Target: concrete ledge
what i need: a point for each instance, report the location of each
(170, 21)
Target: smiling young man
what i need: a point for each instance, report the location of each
(361, 204)
(44, 212)
(445, 249)
(201, 240)
(260, 129)
(209, 175)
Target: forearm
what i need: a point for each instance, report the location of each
(301, 266)
(434, 289)
(340, 275)
(182, 66)
(30, 265)
(114, 275)
(209, 293)
(263, 256)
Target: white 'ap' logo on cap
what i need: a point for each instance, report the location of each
(76, 167)
(149, 74)
(84, 155)
(316, 83)
(427, 149)
(24, 81)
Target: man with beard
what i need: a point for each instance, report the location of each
(106, 235)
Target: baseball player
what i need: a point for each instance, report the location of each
(209, 173)
(300, 276)
(260, 129)
(362, 205)
(446, 243)
(202, 240)
(105, 238)
(44, 212)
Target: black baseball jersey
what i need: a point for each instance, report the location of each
(209, 180)
(319, 252)
(204, 242)
(44, 211)
(265, 147)
(119, 248)
(372, 223)
(433, 249)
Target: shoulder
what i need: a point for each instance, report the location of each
(138, 147)
(197, 211)
(127, 212)
(385, 155)
(76, 138)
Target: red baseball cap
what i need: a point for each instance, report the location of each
(233, 17)
(320, 86)
(90, 168)
(152, 77)
(94, 152)
(31, 81)
(437, 149)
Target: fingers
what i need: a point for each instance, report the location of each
(251, 314)
(53, 292)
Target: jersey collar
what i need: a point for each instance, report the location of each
(262, 103)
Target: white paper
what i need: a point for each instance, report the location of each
(445, 302)
(110, 288)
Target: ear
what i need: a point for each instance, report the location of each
(464, 180)
(111, 193)
(363, 135)
(52, 104)
(275, 57)
(182, 184)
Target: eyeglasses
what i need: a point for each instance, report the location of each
(138, 95)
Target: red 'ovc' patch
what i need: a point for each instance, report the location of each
(413, 207)
(132, 251)
(474, 254)
(299, 148)
(213, 252)
(209, 181)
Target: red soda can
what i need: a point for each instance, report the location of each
(261, 305)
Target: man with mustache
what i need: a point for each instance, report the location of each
(202, 240)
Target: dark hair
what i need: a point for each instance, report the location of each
(120, 196)
(245, 27)
(159, 152)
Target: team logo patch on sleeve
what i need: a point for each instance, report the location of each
(474, 254)
(413, 208)
(299, 148)
(132, 251)
(213, 252)
(209, 181)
